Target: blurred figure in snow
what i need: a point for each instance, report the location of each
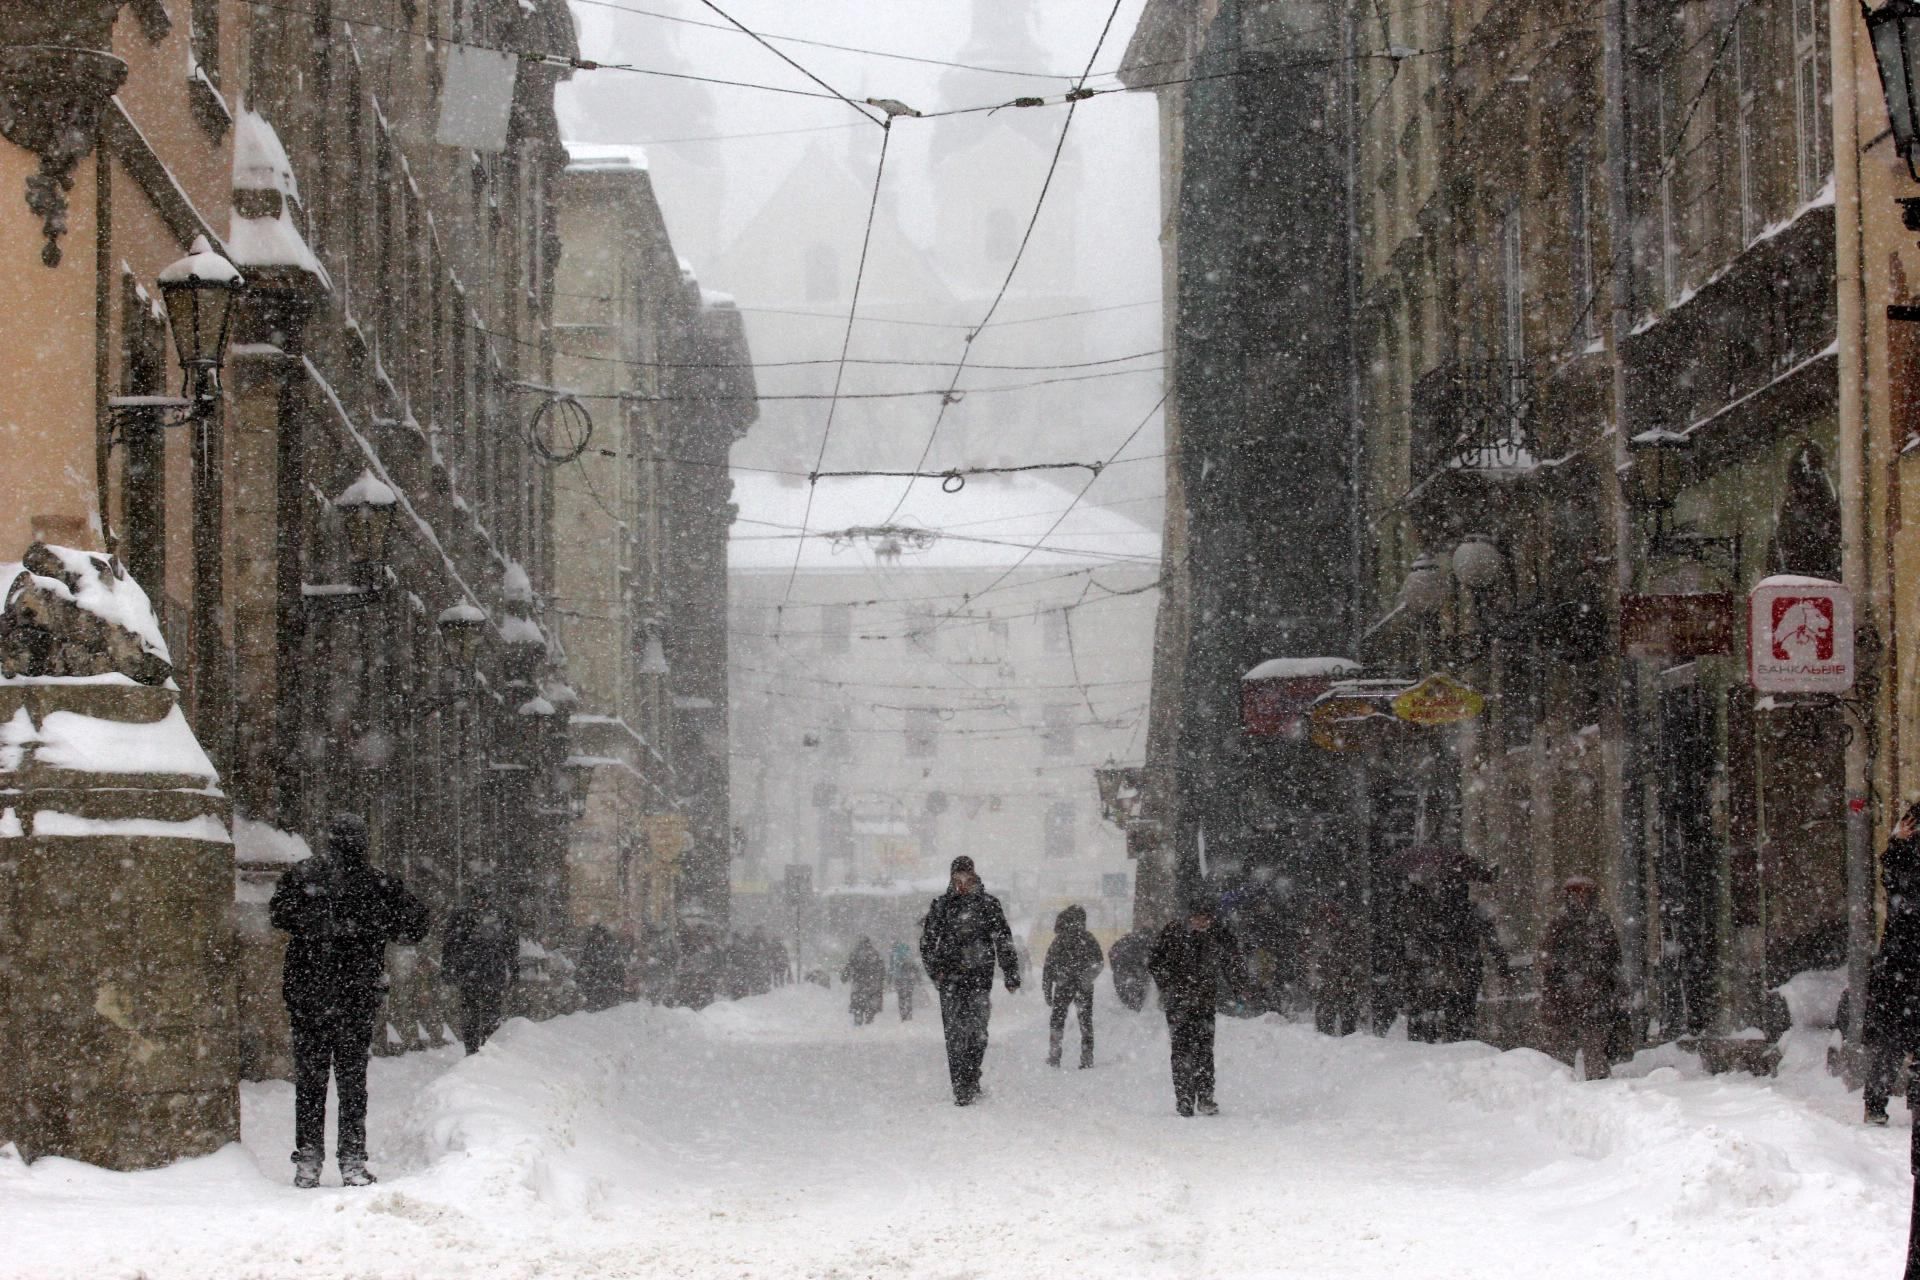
(481, 957)
(1193, 956)
(1580, 990)
(339, 915)
(1892, 1015)
(866, 974)
(904, 972)
(1066, 979)
(966, 934)
(1334, 973)
(602, 976)
(1129, 956)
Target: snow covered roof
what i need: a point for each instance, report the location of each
(988, 524)
(585, 157)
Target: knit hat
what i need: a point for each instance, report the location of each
(962, 863)
(347, 835)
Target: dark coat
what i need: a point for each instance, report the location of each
(1190, 965)
(602, 977)
(482, 949)
(866, 973)
(965, 935)
(1073, 961)
(340, 914)
(1579, 968)
(1893, 987)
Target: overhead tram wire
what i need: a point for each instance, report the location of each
(953, 324)
(1026, 237)
(762, 42)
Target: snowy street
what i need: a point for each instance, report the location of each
(769, 1138)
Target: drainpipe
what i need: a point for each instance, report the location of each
(1850, 335)
(1632, 851)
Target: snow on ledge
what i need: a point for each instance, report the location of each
(1303, 669)
(257, 842)
(68, 740)
(51, 822)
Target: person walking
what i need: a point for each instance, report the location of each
(1191, 958)
(904, 972)
(866, 974)
(602, 976)
(1580, 979)
(481, 956)
(1128, 957)
(339, 914)
(1892, 1013)
(1334, 973)
(1066, 979)
(965, 935)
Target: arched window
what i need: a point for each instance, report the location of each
(1806, 529)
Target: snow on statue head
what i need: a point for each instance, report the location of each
(76, 613)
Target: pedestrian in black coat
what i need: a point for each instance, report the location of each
(602, 977)
(339, 914)
(481, 956)
(1128, 956)
(1192, 957)
(866, 974)
(965, 935)
(1892, 1014)
(1066, 979)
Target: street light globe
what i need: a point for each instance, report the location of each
(1477, 562)
(1424, 592)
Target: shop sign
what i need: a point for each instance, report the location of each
(1800, 636)
(1340, 724)
(1438, 700)
(1276, 696)
(1693, 625)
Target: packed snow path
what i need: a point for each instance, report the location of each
(769, 1138)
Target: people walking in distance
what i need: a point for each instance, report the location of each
(481, 956)
(339, 914)
(1066, 980)
(965, 936)
(1128, 957)
(1580, 979)
(866, 974)
(1192, 958)
(602, 977)
(1334, 973)
(1892, 1013)
(903, 971)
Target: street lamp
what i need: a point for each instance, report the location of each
(1894, 29)
(199, 290)
(367, 506)
(460, 628)
(1477, 562)
(1424, 593)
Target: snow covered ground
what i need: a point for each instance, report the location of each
(771, 1139)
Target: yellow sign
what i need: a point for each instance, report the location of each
(1339, 723)
(1438, 700)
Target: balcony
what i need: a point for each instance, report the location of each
(1474, 415)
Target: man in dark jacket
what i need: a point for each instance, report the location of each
(1128, 956)
(1066, 978)
(339, 914)
(1580, 991)
(602, 976)
(481, 956)
(866, 974)
(1192, 957)
(1892, 1014)
(966, 933)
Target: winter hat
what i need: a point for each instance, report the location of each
(1074, 917)
(962, 863)
(347, 836)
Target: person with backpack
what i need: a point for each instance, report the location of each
(1066, 979)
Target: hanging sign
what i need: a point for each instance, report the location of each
(1341, 724)
(1800, 636)
(1438, 700)
(1693, 625)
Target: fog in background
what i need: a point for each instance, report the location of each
(776, 222)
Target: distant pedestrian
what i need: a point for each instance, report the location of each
(1066, 980)
(866, 974)
(1193, 957)
(1128, 956)
(339, 915)
(1892, 1014)
(1580, 979)
(965, 935)
(602, 976)
(481, 956)
(1334, 971)
(904, 972)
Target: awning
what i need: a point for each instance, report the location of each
(1276, 695)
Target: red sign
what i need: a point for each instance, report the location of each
(1677, 626)
(1276, 696)
(1800, 636)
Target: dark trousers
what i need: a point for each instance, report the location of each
(480, 1004)
(1191, 1031)
(1884, 1055)
(963, 1017)
(334, 1042)
(1057, 1024)
(906, 1004)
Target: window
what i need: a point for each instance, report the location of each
(203, 25)
(143, 497)
(923, 730)
(1586, 325)
(1513, 289)
(838, 737)
(836, 628)
(836, 835)
(1810, 96)
(1747, 74)
(1060, 830)
(1053, 630)
(997, 634)
(1058, 739)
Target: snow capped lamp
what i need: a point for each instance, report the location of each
(367, 507)
(1894, 29)
(1424, 593)
(199, 290)
(1478, 564)
(460, 628)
